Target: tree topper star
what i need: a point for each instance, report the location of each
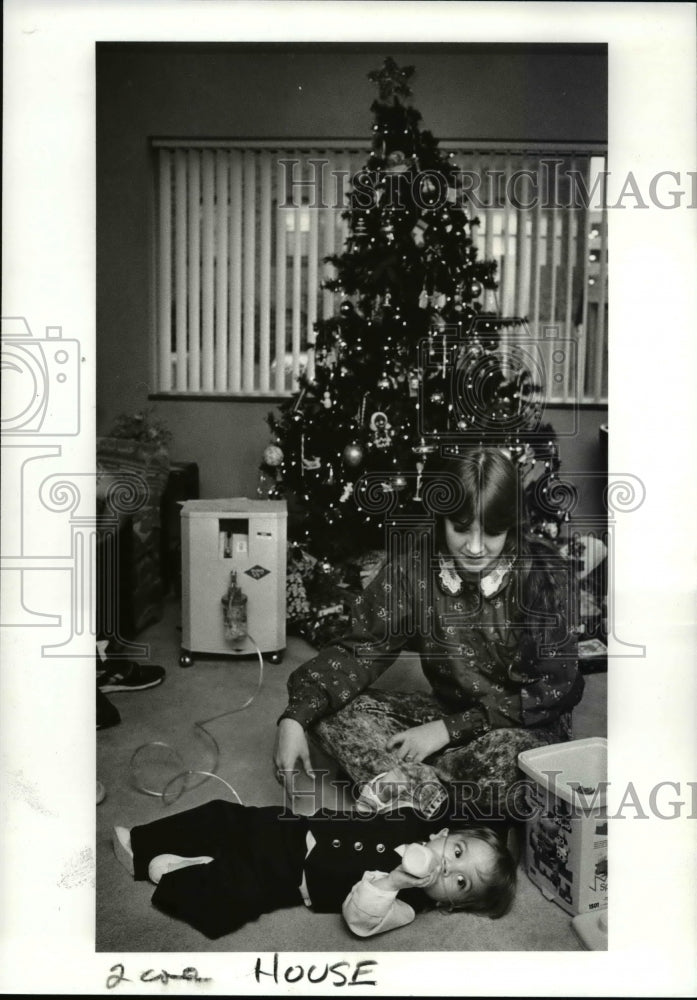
(392, 80)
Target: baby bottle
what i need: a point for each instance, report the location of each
(418, 860)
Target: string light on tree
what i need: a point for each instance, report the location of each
(353, 455)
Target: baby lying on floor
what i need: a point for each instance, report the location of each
(220, 865)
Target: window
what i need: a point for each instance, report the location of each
(242, 230)
(238, 274)
(542, 220)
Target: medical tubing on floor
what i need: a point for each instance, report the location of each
(200, 728)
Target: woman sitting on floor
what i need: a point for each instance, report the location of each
(488, 610)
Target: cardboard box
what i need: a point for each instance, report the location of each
(566, 834)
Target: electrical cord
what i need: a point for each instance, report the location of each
(169, 793)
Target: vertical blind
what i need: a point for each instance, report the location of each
(242, 230)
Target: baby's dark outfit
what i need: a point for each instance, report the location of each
(260, 854)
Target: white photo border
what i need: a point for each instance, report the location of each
(47, 709)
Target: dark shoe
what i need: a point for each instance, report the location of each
(128, 676)
(107, 714)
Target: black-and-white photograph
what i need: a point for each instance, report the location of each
(346, 561)
(352, 458)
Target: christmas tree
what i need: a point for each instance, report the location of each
(410, 360)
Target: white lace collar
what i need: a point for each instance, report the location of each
(490, 584)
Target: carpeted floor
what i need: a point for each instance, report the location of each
(126, 920)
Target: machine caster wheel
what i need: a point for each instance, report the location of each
(276, 657)
(186, 659)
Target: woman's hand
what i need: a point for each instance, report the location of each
(290, 747)
(420, 742)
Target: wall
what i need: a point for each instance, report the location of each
(581, 452)
(494, 92)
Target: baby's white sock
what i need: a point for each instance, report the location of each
(163, 864)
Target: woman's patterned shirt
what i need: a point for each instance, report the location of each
(468, 634)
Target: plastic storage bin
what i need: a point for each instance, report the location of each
(247, 538)
(566, 834)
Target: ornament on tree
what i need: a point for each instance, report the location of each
(360, 230)
(429, 188)
(295, 409)
(475, 288)
(347, 493)
(418, 233)
(325, 566)
(421, 450)
(396, 163)
(527, 455)
(382, 430)
(273, 456)
(346, 308)
(360, 416)
(353, 455)
(327, 401)
(312, 464)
